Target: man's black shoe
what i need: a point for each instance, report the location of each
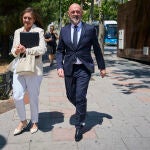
(78, 135)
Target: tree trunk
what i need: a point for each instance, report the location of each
(101, 29)
(101, 36)
(82, 2)
(91, 11)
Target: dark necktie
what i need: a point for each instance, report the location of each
(75, 36)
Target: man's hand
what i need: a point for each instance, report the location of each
(103, 73)
(60, 72)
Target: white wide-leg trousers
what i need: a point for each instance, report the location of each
(31, 84)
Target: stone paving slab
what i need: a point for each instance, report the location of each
(137, 143)
(104, 144)
(53, 146)
(24, 146)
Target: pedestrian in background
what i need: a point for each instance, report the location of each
(75, 63)
(50, 37)
(28, 83)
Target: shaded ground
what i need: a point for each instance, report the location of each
(3, 67)
(6, 105)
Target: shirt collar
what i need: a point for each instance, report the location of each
(79, 25)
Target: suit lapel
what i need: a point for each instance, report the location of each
(68, 33)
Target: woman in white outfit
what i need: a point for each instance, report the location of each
(30, 83)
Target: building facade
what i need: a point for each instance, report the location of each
(134, 30)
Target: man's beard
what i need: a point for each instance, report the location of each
(75, 20)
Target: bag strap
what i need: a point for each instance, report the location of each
(22, 55)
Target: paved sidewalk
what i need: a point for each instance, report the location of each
(118, 116)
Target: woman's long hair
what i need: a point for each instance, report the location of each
(37, 18)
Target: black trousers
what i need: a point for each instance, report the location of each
(76, 90)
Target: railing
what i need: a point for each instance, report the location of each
(5, 85)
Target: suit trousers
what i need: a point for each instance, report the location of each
(31, 84)
(76, 90)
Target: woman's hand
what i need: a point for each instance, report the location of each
(17, 50)
(20, 49)
(50, 39)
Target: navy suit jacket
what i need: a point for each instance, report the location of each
(66, 52)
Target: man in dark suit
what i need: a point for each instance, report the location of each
(75, 64)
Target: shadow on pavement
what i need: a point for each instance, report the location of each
(47, 120)
(2, 141)
(93, 118)
(47, 69)
(130, 76)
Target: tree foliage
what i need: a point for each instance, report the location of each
(109, 9)
(9, 18)
(49, 10)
